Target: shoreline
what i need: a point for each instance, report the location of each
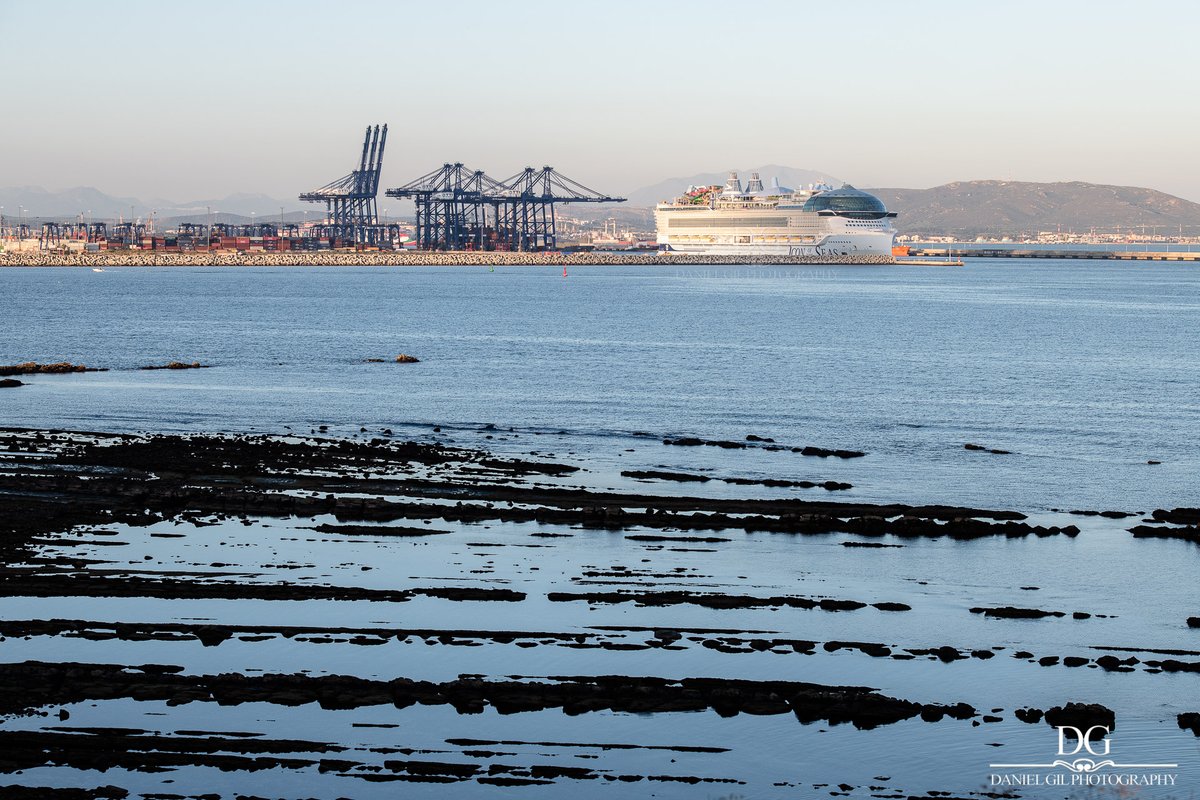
(142, 258)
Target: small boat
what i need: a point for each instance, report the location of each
(97, 269)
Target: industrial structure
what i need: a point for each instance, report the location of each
(54, 234)
(452, 205)
(350, 209)
(463, 209)
(187, 236)
(457, 208)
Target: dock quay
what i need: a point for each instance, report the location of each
(385, 258)
(1095, 255)
(930, 262)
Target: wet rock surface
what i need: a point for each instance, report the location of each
(1009, 612)
(1104, 514)
(713, 600)
(30, 685)
(1177, 523)
(20, 583)
(664, 475)
(763, 444)
(34, 368)
(1081, 716)
(378, 530)
(981, 448)
(1177, 516)
(108, 479)
(616, 638)
(1187, 533)
(177, 365)
(106, 792)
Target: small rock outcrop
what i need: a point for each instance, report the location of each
(992, 450)
(1081, 716)
(34, 368)
(404, 358)
(1009, 612)
(177, 365)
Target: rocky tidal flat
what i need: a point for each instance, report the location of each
(305, 615)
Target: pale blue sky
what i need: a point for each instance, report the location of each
(191, 100)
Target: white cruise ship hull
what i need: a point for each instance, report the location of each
(857, 244)
(828, 223)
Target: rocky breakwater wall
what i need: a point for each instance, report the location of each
(139, 258)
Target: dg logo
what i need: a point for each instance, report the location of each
(1084, 740)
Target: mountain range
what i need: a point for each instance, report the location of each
(40, 203)
(973, 208)
(965, 209)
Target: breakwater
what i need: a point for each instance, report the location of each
(1094, 255)
(139, 258)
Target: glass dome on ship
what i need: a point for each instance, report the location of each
(847, 202)
(817, 221)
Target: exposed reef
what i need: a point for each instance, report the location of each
(177, 365)
(30, 685)
(34, 368)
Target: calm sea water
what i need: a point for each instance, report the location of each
(1083, 371)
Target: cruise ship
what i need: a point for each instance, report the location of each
(815, 221)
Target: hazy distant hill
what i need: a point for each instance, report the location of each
(636, 218)
(244, 204)
(649, 196)
(972, 208)
(297, 217)
(965, 209)
(40, 203)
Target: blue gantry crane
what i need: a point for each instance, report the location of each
(351, 213)
(452, 204)
(463, 209)
(526, 219)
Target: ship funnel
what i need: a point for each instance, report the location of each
(755, 184)
(732, 184)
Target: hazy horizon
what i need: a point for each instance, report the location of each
(146, 100)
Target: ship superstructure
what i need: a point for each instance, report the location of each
(814, 221)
